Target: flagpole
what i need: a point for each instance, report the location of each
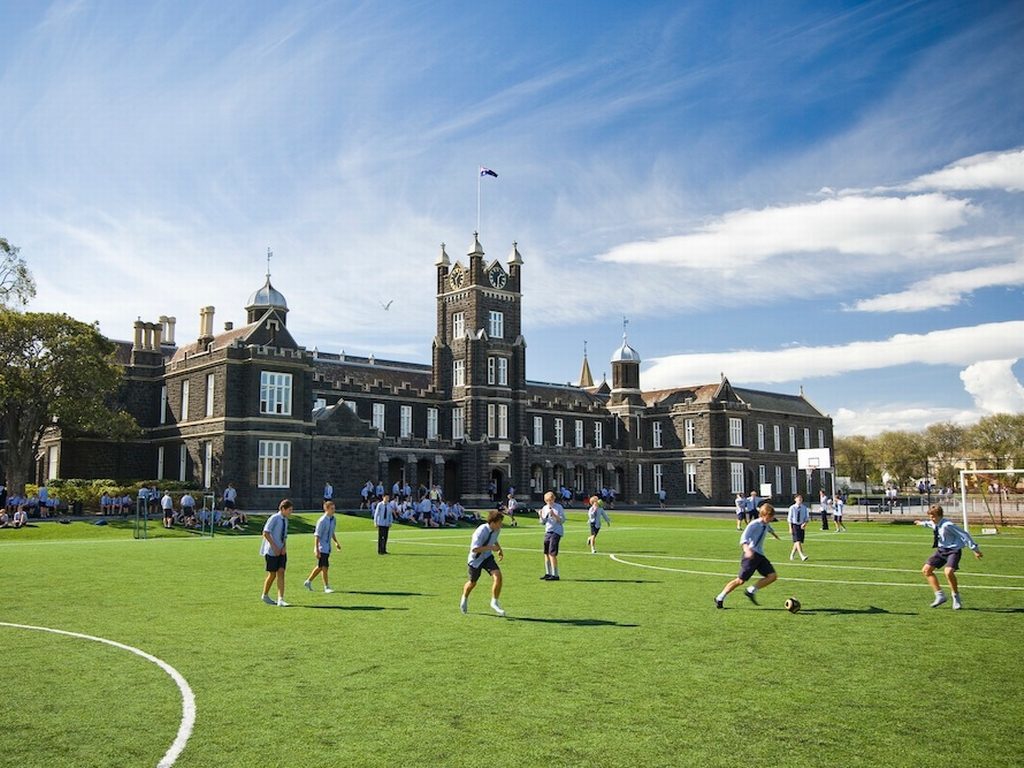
(478, 175)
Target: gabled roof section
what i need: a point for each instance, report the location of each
(773, 401)
(260, 333)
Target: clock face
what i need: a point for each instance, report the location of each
(457, 279)
(497, 277)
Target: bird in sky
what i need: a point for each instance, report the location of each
(388, 305)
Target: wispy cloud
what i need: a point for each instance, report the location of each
(988, 170)
(874, 418)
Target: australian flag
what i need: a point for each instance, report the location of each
(487, 172)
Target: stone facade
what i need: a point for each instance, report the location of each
(251, 406)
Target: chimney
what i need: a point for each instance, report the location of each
(229, 326)
(169, 335)
(205, 326)
(137, 343)
(158, 334)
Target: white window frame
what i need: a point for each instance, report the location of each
(496, 324)
(207, 464)
(639, 479)
(275, 393)
(182, 463)
(689, 432)
(273, 469)
(736, 477)
(579, 433)
(458, 373)
(352, 406)
(807, 437)
(432, 423)
(378, 416)
(559, 433)
(598, 434)
(405, 419)
(778, 480)
(762, 474)
(163, 404)
(777, 437)
(211, 385)
(821, 438)
(657, 479)
(502, 421)
(492, 366)
(760, 437)
(184, 400)
(792, 480)
(458, 325)
(656, 434)
(502, 371)
(538, 430)
(320, 402)
(160, 462)
(691, 477)
(792, 439)
(458, 423)
(492, 420)
(735, 431)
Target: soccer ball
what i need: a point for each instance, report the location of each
(792, 605)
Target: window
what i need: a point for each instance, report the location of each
(579, 479)
(807, 438)
(163, 404)
(492, 419)
(821, 438)
(210, 379)
(406, 421)
(639, 479)
(496, 325)
(777, 437)
(182, 463)
(822, 477)
(458, 424)
(778, 481)
(503, 421)
(598, 434)
(160, 462)
(579, 433)
(274, 468)
(352, 406)
(431, 423)
(503, 371)
(458, 373)
(689, 433)
(184, 400)
(792, 479)
(538, 430)
(736, 432)
(458, 325)
(559, 433)
(378, 416)
(491, 369)
(276, 393)
(762, 474)
(760, 437)
(691, 478)
(319, 403)
(656, 434)
(792, 439)
(207, 464)
(657, 479)
(736, 476)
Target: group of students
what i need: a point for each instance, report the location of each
(42, 504)
(372, 493)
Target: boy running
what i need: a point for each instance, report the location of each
(949, 541)
(594, 515)
(274, 551)
(323, 535)
(753, 559)
(482, 549)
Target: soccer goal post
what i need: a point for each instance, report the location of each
(963, 484)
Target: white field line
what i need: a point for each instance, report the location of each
(188, 699)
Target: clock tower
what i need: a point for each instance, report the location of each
(479, 368)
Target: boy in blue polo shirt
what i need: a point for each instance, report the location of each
(323, 535)
(274, 551)
(482, 549)
(949, 542)
(753, 559)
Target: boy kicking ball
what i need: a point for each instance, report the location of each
(753, 559)
(323, 535)
(949, 541)
(482, 549)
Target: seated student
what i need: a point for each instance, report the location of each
(235, 521)
(127, 507)
(5, 521)
(20, 518)
(114, 506)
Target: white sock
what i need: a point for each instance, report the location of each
(938, 593)
(547, 567)
(751, 590)
(554, 572)
(721, 597)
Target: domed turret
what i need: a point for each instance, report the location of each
(625, 353)
(626, 372)
(264, 298)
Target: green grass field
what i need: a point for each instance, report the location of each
(625, 662)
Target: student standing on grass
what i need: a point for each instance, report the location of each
(837, 513)
(741, 511)
(753, 502)
(552, 516)
(323, 535)
(594, 515)
(275, 552)
(382, 518)
(798, 518)
(949, 541)
(753, 559)
(482, 548)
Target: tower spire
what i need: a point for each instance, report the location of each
(269, 254)
(586, 380)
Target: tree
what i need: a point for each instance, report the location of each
(54, 371)
(16, 283)
(999, 440)
(853, 457)
(900, 454)
(946, 444)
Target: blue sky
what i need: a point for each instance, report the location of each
(817, 194)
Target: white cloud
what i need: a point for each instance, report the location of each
(988, 170)
(875, 418)
(944, 290)
(993, 386)
(954, 346)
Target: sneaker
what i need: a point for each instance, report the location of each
(281, 603)
(546, 577)
(751, 596)
(791, 555)
(497, 608)
(554, 578)
(957, 605)
(939, 600)
(464, 605)
(804, 557)
(308, 585)
(593, 551)
(328, 591)
(268, 600)
(719, 603)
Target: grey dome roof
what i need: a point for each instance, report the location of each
(625, 353)
(267, 296)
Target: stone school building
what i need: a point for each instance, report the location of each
(250, 405)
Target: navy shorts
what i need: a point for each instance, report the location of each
(551, 543)
(594, 529)
(758, 563)
(945, 558)
(323, 561)
(229, 504)
(276, 563)
(489, 564)
(798, 531)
